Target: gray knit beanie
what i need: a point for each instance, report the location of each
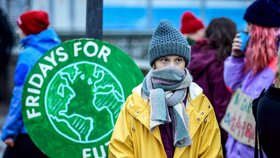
(167, 40)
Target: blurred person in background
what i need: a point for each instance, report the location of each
(266, 112)
(207, 65)
(254, 69)
(191, 27)
(36, 39)
(6, 45)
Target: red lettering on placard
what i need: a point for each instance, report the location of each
(249, 133)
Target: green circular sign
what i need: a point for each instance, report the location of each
(73, 95)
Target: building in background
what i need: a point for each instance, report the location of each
(69, 16)
(127, 24)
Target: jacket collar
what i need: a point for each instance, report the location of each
(139, 107)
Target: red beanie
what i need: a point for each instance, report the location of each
(33, 22)
(190, 24)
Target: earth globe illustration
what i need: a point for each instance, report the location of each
(80, 94)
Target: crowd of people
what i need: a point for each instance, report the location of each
(178, 108)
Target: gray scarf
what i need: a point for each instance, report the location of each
(167, 87)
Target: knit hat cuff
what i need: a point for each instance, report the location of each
(265, 22)
(168, 49)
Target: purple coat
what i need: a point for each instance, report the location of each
(250, 84)
(207, 72)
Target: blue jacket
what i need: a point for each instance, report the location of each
(34, 46)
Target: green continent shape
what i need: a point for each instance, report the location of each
(88, 94)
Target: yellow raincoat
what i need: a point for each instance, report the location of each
(132, 137)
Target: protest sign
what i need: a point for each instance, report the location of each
(73, 95)
(239, 121)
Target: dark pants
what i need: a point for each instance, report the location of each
(24, 148)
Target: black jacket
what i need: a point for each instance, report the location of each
(266, 109)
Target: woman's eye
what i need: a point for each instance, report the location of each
(179, 60)
(163, 60)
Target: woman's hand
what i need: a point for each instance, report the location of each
(236, 45)
(9, 142)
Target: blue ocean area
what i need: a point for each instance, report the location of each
(142, 19)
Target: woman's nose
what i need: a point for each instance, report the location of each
(172, 63)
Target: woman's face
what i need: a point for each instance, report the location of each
(248, 28)
(170, 61)
(20, 33)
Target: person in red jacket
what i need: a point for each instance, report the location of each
(207, 64)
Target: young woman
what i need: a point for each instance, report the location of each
(167, 115)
